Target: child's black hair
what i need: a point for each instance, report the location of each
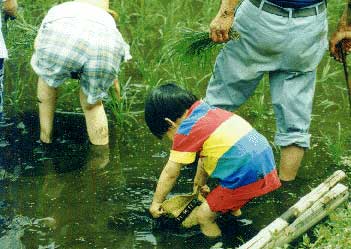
(166, 101)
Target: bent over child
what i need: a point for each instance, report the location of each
(78, 39)
(229, 150)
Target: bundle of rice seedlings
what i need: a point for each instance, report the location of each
(195, 43)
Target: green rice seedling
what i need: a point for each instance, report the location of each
(327, 72)
(257, 105)
(194, 44)
(121, 107)
(336, 145)
(20, 34)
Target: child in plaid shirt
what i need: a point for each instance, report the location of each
(78, 39)
(230, 150)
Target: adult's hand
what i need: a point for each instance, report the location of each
(10, 7)
(341, 38)
(220, 26)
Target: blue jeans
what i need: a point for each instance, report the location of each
(289, 50)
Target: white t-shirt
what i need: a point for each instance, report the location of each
(82, 11)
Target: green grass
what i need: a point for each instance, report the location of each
(337, 146)
(334, 233)
(194, 45)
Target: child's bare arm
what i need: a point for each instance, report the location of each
(10, 7)
(200, 177)
(165, 184)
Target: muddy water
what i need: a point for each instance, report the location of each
(75, 195)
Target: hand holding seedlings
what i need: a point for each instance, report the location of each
(341, 39)
(10, 8)
(222, 23)
(220, 26)
(193, 43)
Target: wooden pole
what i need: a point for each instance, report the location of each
(307, 201)
(279, 234)
(346, 73)
(311, 216)
(344, 55)
(281, 223)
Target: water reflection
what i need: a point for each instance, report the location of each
(64, 184)
(83, 196)
(75, 195)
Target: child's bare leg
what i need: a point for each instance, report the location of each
(206, 218)
(290, 161)
(96, 121)
(47, 103)
(236, 212)
(99, 156)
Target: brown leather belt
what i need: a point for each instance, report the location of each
(295, 13)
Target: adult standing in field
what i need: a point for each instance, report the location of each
(287, 40)
(78, 39)
(10, 10)
(342, 35)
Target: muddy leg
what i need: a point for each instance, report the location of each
(291, 157)
(206, 218)
(47, 104)
(96, 121)
(98, 157)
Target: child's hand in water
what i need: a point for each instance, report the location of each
(156, 209)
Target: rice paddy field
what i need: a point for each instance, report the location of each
(75, 195)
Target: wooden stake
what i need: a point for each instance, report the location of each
(281, 223)
(346, 73)
(307, 201)
(310, 217)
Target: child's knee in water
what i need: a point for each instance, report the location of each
(236, 213)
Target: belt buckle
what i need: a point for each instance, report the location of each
(290, 12)
(321, 7)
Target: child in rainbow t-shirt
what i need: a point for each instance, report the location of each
(228, 147)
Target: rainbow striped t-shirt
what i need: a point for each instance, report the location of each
(231, 150)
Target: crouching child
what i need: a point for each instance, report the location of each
(229, 149)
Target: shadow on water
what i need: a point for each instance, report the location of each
(71, 194)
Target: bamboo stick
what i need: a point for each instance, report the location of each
(274, 236)
(312, 216)
(266, 234)
(281, 223)
(307, 201)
